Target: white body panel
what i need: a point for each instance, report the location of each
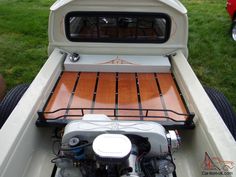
(119, 63)
(172, 3)
(19, 137)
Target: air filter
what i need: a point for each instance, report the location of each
(111, 148)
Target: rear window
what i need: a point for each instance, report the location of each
(117, 27)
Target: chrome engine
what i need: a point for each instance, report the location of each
(98, 147)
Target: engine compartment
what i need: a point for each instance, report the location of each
(98, 147)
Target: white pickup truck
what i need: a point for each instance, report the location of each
(117, 98)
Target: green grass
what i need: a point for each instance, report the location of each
(212, 54)
(23, 39)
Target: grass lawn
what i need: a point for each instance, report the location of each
(212, 54)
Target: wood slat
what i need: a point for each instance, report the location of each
(61, 95)
(127, 95)
(171, 96)
(83, 97)
(150, 96)
(105, 97)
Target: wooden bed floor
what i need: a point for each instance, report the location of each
(116, 91)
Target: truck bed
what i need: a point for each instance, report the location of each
(120, 96)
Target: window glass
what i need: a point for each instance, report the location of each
(108, 27)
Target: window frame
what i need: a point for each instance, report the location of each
(112, 14)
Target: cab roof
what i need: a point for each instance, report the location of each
(175, 4)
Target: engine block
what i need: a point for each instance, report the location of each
(99, 147)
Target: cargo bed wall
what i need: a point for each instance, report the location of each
(26, 150)
(210, 134)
